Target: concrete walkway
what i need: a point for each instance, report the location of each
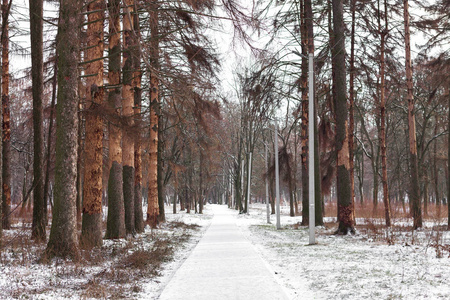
(224, 265)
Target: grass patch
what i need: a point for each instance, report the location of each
(111, 271)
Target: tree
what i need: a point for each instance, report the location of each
(6, 122)
(37, 73)
(138, 213)
(128, 113)
(414, 191)
(383, 34)
(115, 226)
(63, 240)
(345, 205)
(91, 230)
(153, 207)
(351, 102)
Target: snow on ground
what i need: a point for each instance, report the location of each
(120, 269)
(373, 264)
(415, 266)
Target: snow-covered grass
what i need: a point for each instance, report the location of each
(376, 263)
(130, 269)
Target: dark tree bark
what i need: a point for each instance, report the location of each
(160, 180)
(305, 120)
(201, 171)
(49, 143)
(138, 213)
(153, 206)
(115, 225)
(351, 128)
(37, 74)
(448, 161)
(128, 113)
(91, 229)
(345, 205)
(63, 239)
(383, 33)
(414, 192)
(6, 122)
(437, 194)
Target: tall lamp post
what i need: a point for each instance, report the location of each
(277, 176)
(312, 221)
(267, 183)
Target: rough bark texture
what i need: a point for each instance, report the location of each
(37, 69)
(1, 144)
(49, 143)
(351, 128)
(448, 162)
(383, 32)
(138, 213)
(6, 123)
(81, 143)
(116, 214)
(115, 226)
(200, 196)
(63, 239)
(91, 230)
(437, 195)
(161, 212)
(128, 197)
(174, 203)
(304, 126)
(128, 113)
(414, 192)
(345, 205)
(153, 207)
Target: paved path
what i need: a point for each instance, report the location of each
(224, 265)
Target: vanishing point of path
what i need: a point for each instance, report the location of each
(224, 265)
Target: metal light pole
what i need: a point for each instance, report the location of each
(277, 176)
(249, 181)
(242, 186)
(267, 184)
(312, 221)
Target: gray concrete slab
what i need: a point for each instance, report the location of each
(224, 265)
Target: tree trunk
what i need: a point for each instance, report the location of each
(437, 196)
(128, 113)
(414, 193)
(383, 32)
(161, 206)
(115, 225)
(351, 128)
(448, 163)
(200, 207)
(187, 203)
(49, 143)
(138, 213)
(425, 194)
(63, 239)
(175, 196)
(345, 205)
(182, 200)
(153, 207)
(91, 228)
(37, 73)
(6, 133)
(81, 141)
(305, 119)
